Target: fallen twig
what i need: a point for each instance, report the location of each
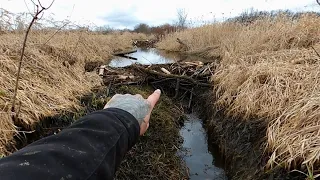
(315, 51)
(190, 99)
(101, 70)
(128, 57)
(162, 80)
(165, 70)
(124, 52)
(172, 76)
(59, 29)
(177, 88)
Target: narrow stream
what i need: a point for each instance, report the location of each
(202, 160)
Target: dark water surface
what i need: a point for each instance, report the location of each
(201, 162)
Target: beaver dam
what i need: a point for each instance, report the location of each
(182, 82)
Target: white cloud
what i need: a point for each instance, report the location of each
(125, 13)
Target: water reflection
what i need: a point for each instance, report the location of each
(198, 158)
(144, 56)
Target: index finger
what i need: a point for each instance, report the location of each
(154, 97)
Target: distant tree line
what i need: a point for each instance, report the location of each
(161, 30)
(250, 16)
(158, 31)
(11, 22)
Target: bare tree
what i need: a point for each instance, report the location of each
(105, 29)
(39, 9)
(6, 20)
(182, 18)
(142, 28)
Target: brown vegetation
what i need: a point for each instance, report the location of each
(267, 70)
(53, 75)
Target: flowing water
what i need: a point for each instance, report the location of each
(203, 160)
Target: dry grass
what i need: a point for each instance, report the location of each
(267, 70)
(233, 39)
(53, 76)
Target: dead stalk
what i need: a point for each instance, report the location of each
(315, 51)
(58, 30)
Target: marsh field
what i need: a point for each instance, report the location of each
(259, 98)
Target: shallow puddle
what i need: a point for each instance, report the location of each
(199, 159)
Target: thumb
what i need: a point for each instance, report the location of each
(154, 97)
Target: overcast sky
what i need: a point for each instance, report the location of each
(128, 13)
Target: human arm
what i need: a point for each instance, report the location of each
(91, 148)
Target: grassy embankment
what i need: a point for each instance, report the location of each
(53, 77)
(266, 83)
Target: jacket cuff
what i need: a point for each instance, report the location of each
(129, 121)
